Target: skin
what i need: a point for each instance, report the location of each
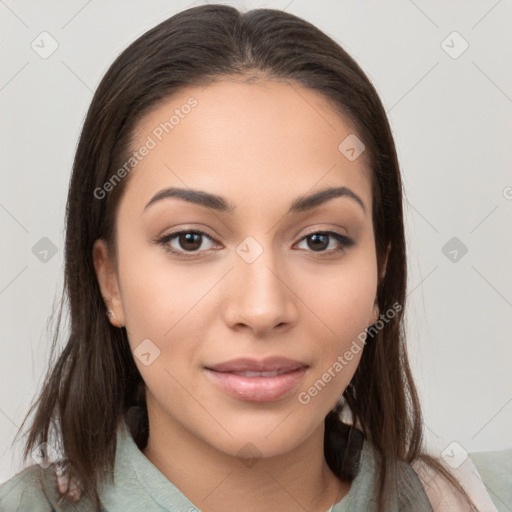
(259, 145)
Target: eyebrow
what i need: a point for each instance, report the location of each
(301, 204)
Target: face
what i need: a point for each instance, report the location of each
(198, 286)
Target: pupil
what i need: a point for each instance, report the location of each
(190, 241)
(318, 238)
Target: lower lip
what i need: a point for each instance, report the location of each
(257, 389)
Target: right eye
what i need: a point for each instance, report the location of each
(190, 242)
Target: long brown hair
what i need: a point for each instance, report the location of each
(94, 383)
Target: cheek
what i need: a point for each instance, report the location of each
(157, 295)
(168, 313)
(344, 299)
(344, 304)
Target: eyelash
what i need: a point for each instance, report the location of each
(164, 242)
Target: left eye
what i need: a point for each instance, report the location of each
(320, 240)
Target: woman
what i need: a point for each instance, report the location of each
(236, 274)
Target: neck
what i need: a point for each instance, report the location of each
(212, 479)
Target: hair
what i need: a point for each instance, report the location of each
(94, 383)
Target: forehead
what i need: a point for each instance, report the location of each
(230, 136)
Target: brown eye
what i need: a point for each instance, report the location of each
(318, 241)
(321, 240)
(185, 242)
(190, 241)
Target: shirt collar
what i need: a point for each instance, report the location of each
(139, 485)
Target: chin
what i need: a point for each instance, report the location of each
(274, 435)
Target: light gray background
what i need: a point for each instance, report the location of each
(452, 121)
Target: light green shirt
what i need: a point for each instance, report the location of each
(139, 485)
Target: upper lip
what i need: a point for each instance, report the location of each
(268, 364)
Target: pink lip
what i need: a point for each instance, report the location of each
(257, 388)
(268, 364)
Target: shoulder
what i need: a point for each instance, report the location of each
(420, 487)
(443, 496)
(36, 489)
(405, 484)
(24, 492)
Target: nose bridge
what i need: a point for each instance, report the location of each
(261, 298)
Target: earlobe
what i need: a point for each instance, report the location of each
(108, 282)
(376, 311)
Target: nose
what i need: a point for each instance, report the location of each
(260, 295)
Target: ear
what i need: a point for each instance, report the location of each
(108, 281)
(375, 311)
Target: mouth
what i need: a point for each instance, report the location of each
(257, 381)
(258, 374)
